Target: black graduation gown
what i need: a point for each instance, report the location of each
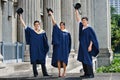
(85, 36)
(61, 42)
(38, 45)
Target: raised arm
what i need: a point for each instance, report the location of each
(52, 18)
(77, 16)
(22, 21)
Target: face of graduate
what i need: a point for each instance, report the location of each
(84, 22)
(62, 27)
(37, 26)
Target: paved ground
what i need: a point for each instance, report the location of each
(23, 71)
(69, 76)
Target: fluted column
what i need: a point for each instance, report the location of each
(8, 22)
(55, 5)
(75, 29)
(31, 13)
(92, 13)
(1, 57)
(84, 7)
(0, 21)
(88, 9)
(103, 28)
(67, 17)
(4, 19)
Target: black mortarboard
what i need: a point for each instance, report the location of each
(77, 6)
(19, 11)
(49, 9)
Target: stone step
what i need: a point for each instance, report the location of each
(26, 67)
(6, 71)
(71, 65)
(69, 76)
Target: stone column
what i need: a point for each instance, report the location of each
(31, 13)
(1, 57)
(7, 29)
(88, 9)
(75, 29)
(84, 7)
(103, 28)
(1, 62)
(47, 24)
(8, 22)
(67, 17)
(92, 12)
(0, 21)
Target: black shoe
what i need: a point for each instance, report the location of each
(83, 76)
(90, 76)
(47, 75)
(87, 76)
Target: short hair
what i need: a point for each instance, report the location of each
(84, 18)
(36, 21)
(62, 23)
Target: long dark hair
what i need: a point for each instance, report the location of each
(62, 23)
(36, 21)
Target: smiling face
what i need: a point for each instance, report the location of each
(85, 21)
(62, 25)
(36, 25)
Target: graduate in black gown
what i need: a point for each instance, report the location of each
(37, 40)
(88, 46)
(61, 41)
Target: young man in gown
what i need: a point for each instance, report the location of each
(38, 42)
(88, 45)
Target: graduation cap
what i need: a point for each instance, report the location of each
(19, 11)
(77, 6)
(49, 9)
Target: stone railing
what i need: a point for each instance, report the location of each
(12, 52)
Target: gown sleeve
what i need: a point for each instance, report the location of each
(80, 29)
(45, 40)
(69, 42)
(56, 35)
(95, 46)
(27, 35)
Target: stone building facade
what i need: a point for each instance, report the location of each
(98, 12)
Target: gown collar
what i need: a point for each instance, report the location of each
(64, 30)
(40, 31)
(85, 27)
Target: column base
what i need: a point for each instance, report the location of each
(105, 57)
(72, 54)
(27, 54)
(1, 64)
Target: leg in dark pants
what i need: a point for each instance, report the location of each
(84, 68)
(44, 70)
(88, 70)
(35, 70)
